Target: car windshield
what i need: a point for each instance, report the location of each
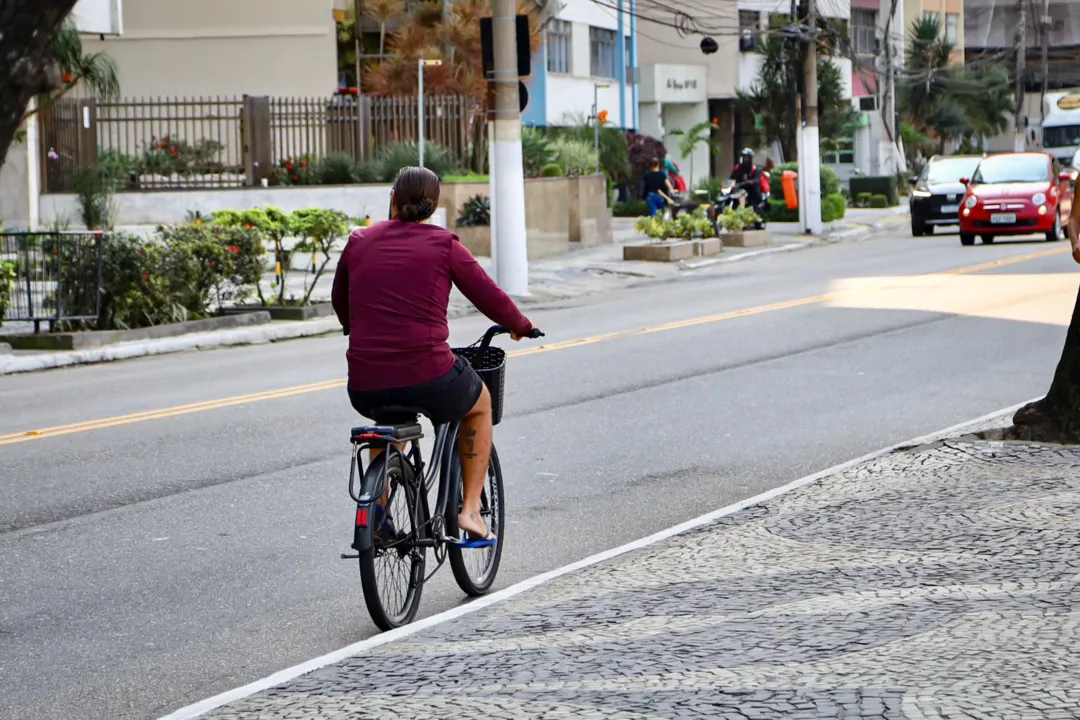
(1013, 169)
(950, 169)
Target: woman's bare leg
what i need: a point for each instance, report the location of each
(474, 446)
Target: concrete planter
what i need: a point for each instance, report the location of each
(706, 247)
(284, 312)
(661, 251)
(98, 338)
(747, 238)
(477, 239)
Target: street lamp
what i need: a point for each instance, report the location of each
(596, 121)
(420, 65)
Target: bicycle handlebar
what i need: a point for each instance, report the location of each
(500, 330)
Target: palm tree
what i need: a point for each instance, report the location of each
(771, 99)
(947, 101)
(384, 12)
(96, 72)
(700, 134)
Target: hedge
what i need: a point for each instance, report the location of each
(876, 185)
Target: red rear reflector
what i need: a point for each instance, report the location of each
(361, 517)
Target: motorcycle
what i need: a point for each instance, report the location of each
(734, 195)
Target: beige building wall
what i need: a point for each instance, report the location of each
(224, 47)
(664, 45)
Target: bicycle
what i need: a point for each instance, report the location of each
(403, 533)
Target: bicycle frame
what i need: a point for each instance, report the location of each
(372, 485)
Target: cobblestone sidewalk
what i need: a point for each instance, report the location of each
(935, 583)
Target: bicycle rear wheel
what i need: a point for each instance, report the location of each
(392, 570)
(475, 569)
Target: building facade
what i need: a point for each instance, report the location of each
(587, 58)
(208, 47)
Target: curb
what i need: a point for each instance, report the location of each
(685, 265)
(259, 335)
(204, 706)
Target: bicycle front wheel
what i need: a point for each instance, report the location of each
(392, 569)
(475, 569)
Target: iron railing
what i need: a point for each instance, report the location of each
(182, 143)
(50, 277)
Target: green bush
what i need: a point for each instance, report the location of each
(343, 169)
(738, 219)
(863, 199)
(876, 185)
(536, 151)
(833, 208)
(780, 212)
(7, 279)
(123, 168)
(467, 178)
(552, 170)
(319, 231)
(634, 208)
(174, 156)
(95, 187)
(407, 154)
(476, 212)
(574, 157)
(879, 201)
(684, 226)
(830, 181)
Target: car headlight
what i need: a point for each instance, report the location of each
(920, 193)
(1038, 198)
(971, 201)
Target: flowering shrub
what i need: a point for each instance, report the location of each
(296, 171)
(173, 156)
(183, 272)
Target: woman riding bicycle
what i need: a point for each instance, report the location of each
(391, 294)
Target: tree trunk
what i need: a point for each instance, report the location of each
(1056, 417)
(28, 30)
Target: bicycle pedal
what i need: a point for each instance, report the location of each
(345, 556)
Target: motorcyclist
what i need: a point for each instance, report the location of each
(748, 176)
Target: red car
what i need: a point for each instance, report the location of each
(1015, 194)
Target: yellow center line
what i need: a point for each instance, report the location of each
(178, 410)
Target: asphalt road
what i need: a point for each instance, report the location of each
(147, 563)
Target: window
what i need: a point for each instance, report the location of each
(601, 52)
(838, 152)
(749, 28)
(558, 46)
(952, 25)
(864, 32)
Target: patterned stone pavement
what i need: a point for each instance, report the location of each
(934, 583)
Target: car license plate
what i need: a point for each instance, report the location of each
(1003, 218)
(950, 208)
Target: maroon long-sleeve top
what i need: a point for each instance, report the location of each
(392, 290)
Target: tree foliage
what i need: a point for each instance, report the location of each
(29, 31)
(772, 96)
(426, 32)
(945, 101)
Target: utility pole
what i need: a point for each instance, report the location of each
(1044, 29)
(509, 244)
(358, 14)
(810, 147)
(1020, 136)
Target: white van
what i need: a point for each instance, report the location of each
(1061, 129)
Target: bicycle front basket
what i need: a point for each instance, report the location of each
(490, 364)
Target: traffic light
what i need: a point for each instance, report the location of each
(602, 117)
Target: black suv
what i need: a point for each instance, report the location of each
(937, 192)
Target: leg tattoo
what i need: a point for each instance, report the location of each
(470, 443)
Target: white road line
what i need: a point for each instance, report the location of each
(282, 676)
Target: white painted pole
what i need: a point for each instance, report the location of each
(512, 257)
(420, 105)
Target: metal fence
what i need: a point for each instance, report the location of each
(50, 277)
(179, 143)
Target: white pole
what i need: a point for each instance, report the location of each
(512, 256)
(420, 106)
